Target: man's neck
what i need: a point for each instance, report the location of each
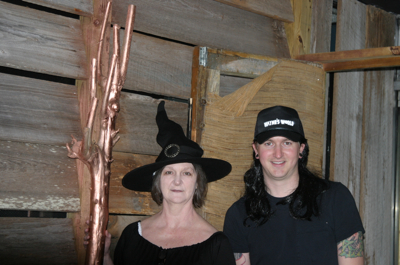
(282, 188)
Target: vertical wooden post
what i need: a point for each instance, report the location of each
(298, 33)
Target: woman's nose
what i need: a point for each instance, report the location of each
(177, 179)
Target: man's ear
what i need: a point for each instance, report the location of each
(302, 146)
(255, 147)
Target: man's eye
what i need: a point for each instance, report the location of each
(288, 143)
(268, 143)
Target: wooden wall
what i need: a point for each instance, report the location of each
(45, 49)
(46, 46)
(363, 126)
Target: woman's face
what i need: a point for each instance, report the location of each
(178, 183)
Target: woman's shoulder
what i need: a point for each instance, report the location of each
(131, 228)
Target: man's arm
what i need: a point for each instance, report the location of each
(351, 250)
(242, 258)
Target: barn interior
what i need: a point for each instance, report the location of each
(215, 63)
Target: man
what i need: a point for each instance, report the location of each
(288, 215)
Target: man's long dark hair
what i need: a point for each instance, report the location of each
(302, 202)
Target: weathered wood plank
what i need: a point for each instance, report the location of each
(38, 241)
(208, 23)
(377, 157)
(37, 177)
(321, 24)
(41, 42)
(347, 106)
(320, 41)
(229, 84)
(276, 9)
(298, 33)
(159, 67)
(79, 7)
(122, 200)
(239, 64)
(37, 111)
(137, 123)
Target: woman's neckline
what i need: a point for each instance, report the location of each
(185, 246)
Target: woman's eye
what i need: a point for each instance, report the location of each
(187, 173)
(167, 172)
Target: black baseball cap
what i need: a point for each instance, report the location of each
(278, 121)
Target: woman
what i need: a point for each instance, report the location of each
(178, 182)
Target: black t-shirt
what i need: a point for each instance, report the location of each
(285, 240)
(132, 249)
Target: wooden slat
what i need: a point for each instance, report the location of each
(208, 23)
(320, 41)
(37, 177)
(159, 67)
(276, 9)
(79, 7)
(321, 25)
(122, 200)
(347, 106)
(377, 157)
(137, 123)
(239, 64)
(41, 42)
(299, 32)
(37, 111)
(229, 84)
(36, 241)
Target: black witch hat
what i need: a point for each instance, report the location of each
(176, 148)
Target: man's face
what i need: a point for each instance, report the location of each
(279, 158)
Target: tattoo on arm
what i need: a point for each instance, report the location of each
(239, 258)
(238, 255)
(352, 247)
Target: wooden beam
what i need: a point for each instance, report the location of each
(276, 9)
(356, 59)
(299, 32)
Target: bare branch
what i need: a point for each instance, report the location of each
(130, 19)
